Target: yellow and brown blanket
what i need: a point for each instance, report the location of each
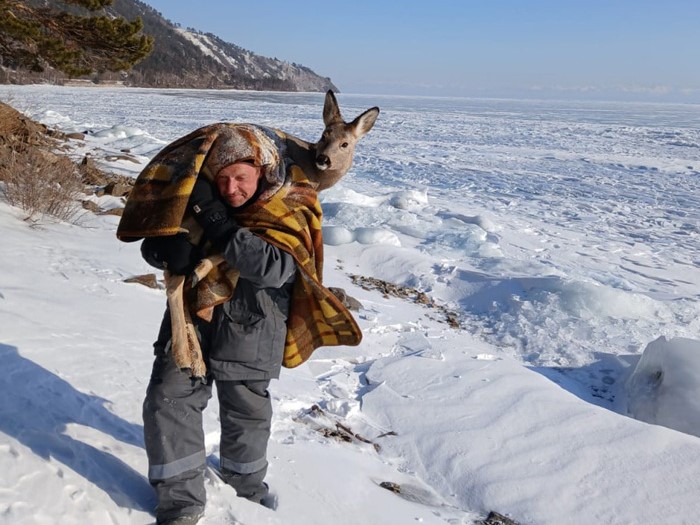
(287, 215)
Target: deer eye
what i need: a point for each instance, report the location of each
(344, 145)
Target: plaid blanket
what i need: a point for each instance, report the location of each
(287, 215)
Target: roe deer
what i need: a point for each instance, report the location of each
(331, 157)
(324, 163)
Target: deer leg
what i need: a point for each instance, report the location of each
(174, 285)
(198, 368)
(205, 266)
(184, 343)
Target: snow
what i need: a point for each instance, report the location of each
(564, 235)
(201, 41)
(663, 389)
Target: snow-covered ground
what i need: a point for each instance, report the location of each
(565, 236)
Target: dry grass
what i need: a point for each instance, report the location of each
(36, 177)
(42, 184)
(20, 132)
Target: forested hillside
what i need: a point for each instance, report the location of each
(185, 58)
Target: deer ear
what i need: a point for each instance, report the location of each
(362, 124)
(331, 111)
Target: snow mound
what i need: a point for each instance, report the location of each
(413, 200)
(337, 235)
(120, 132)
(664, 388)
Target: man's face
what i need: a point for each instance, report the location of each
(238, 182)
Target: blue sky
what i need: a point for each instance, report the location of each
(615, 49)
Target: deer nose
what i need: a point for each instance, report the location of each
(323, 162)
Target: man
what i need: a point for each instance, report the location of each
(242, 347)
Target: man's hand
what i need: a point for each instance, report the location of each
(173, 253)
(210, 212)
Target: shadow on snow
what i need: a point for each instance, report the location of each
(600, 383)
(37, 406)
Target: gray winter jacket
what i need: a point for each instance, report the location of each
(245, 339)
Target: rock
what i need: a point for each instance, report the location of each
(349, 302)
(90, 173)
(452, 320)
(117, 189)
(494, 518)
(114, 211)
(91, 206)
(422, 298)
(148, 279)
(113, 158)
(352, 304)
(54, 133)
(75, 136)
(390, 485)
(451, 317)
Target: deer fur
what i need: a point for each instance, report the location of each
(329, 159)
(324, 163)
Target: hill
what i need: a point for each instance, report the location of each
(188, 58)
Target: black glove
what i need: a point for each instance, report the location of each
(173, 253)
(210, 212)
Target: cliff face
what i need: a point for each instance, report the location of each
(187, 58)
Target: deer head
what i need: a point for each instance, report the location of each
(332, 155)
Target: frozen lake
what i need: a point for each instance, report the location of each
(565, 235)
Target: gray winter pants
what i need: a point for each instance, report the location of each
(172, 416)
